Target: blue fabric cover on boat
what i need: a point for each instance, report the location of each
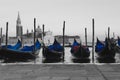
(27, 48)
(75, 43)
(56, 46)
(118, 41)
(31, 48)
(75, 46)
(38, 45)
(15, 47)
(99, 46)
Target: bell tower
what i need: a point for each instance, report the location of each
(19, 30)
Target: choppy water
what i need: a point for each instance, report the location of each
(69, 59)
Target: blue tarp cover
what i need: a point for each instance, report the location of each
(56, 46)
(15, 47)
(99, 46)
(75, 43)
(118, 41)
(25, 48)
(31, 48)
(75, 46)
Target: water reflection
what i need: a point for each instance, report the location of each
(52, 60)
(106, 60)
(16, 60)
(81, 60)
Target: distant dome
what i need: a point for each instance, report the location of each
(38, 29)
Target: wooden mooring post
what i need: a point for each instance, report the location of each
(108, 32)
(6, 34)
(34, 32)
(43, 27)
(43, 44)
(63, 40)
(34, 36)
(1, 38)
(86, 36)
(93, 41)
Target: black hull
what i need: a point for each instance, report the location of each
(47, 54)
(81, 53)
(84, 60)
(106, 60)
(17, 55)
(106, 53)
(51, 60)
(109, 49)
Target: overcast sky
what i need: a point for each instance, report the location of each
(78, 14)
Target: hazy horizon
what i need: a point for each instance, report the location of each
(78, 14)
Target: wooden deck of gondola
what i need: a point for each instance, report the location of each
(60, 72)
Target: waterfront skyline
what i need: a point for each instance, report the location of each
(78, 14)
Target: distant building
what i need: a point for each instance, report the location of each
(68, 39)
(27, 38)
(48, 38)
(31, 34)
(39, 32)
(19, 29)
(71, 39)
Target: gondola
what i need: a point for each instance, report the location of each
(79, 51)
(106, 49)
(13, 47)
(54, 51)
(26, 52)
